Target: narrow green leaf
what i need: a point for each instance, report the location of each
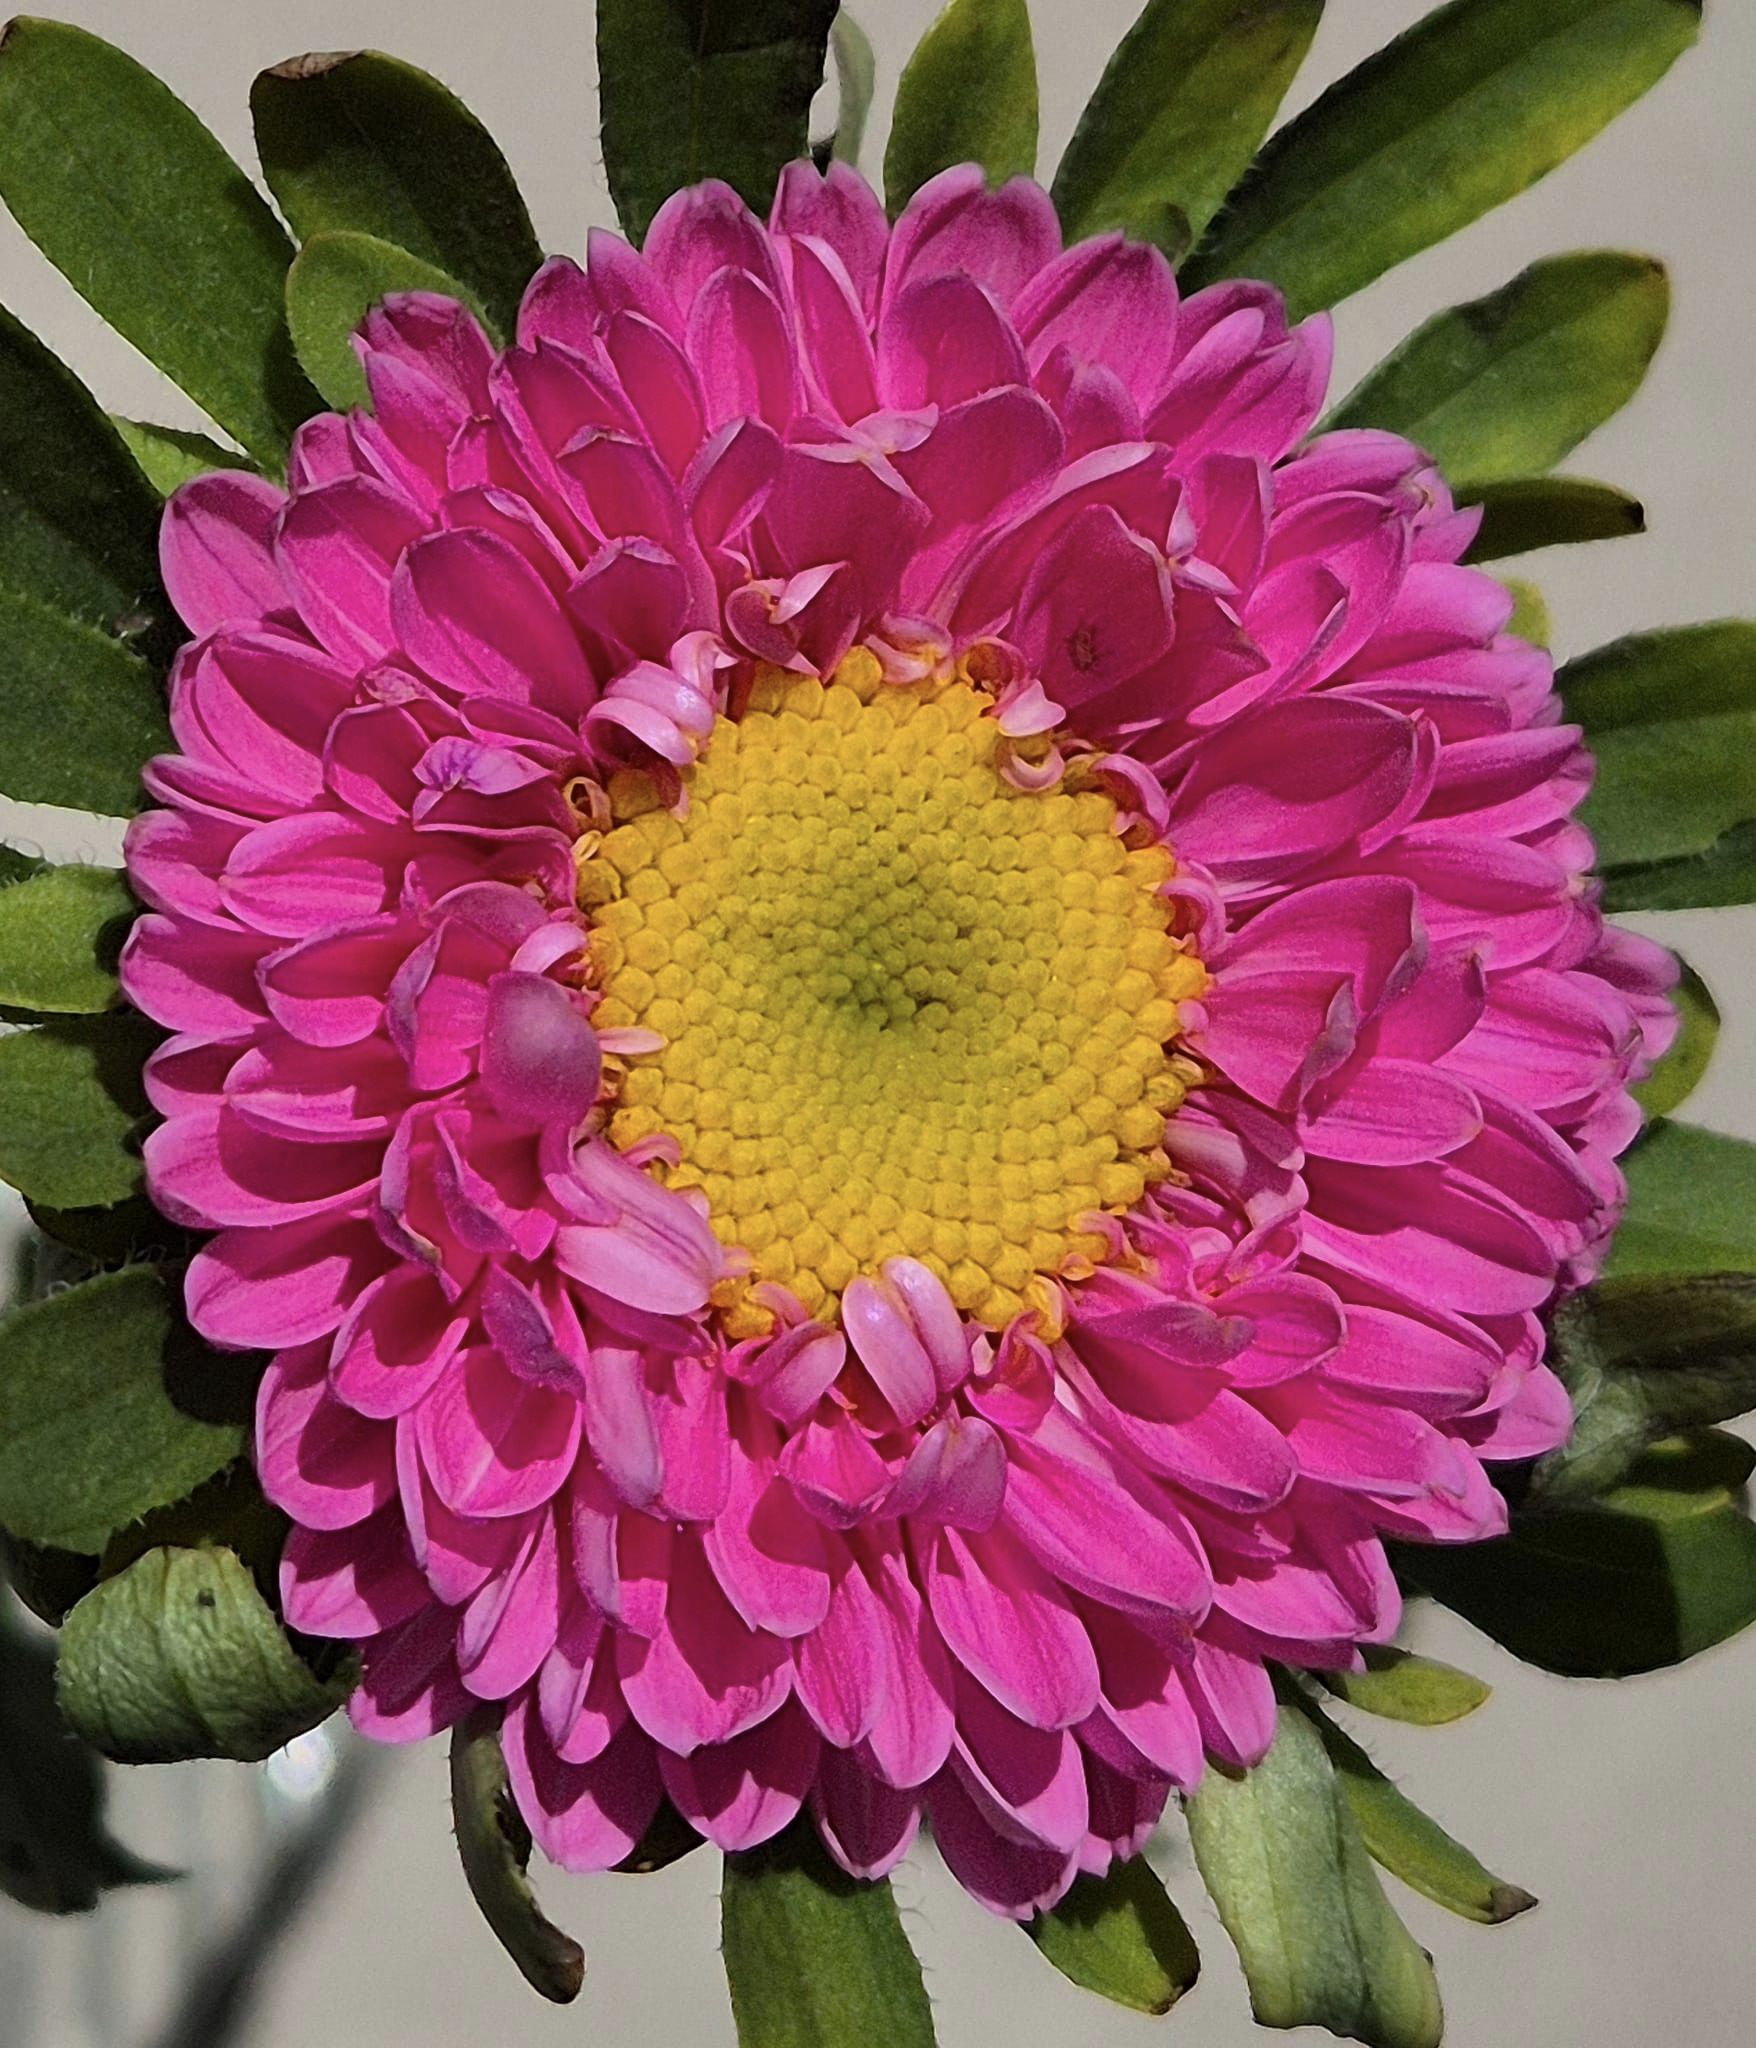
(856, 80)
(180, 1657)
(131, 198)
(60, 933)
(694, 90)
(1530, 612)
(1280, 1851)
(1399, 1686)
(1691, 1204)
(334, 283)
(1411, 1844)
(1121, 1937)
(70, 1102)
(1178, 114)
(967, 95)
(1465, 110)
(1679, 1073)
(79, 714)
(1653, 1572)
(357, 140)
(169, 456)
(78, 527)
(108, 1408)
(814, 1958)
(1724, 875)
(493, 1844)
(1508, 385)
(1531, 512)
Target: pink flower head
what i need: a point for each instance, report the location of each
(889, 1004)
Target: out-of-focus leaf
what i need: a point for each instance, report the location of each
(1679, 1073)
(1178, 114)
(691, 90)
(1280, 1851)
(968, 95)
(1400, 1686)
(47, 1581)
(493, 1844)
(334, 283)
(108, 1408)
(180, 1657)
(1465, 110)
(60, 932)
(1691, 1204)
(118, 1233)
(1651, 1573)
(79, 714)
(1530, 612)
(70, 1102)
(814, 1958)
(169, 456)
(856, 80)
(142, 211)
(1550, 511)
(359, 141)
(1120, 1936)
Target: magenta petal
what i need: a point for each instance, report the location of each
(216, 551)
(741, 1792)
(1006, 1620)
(584, 1816)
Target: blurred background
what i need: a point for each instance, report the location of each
(1628, 1809)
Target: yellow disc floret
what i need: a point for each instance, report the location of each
(906, 1007)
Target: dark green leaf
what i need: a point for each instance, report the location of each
(1178, 114)
(60, 933)
(79, 714)
(494, 1846)
(1550, 511)
(56, 1855)
(694, 90)
(70, 1101)
(1679, 1073)
(1530, 612)
(1658, 1569)
(335, 281)
(1691, 1204)
(856, 79)
(78, 526)
(47, 1581)
(1121, 1937)
(169, 456)
(1642, 1359)
(1411, 1844)
(1403, 1687)
(668, 1839)
(180, 1657)
(109, 1408)
(358, 140)
(1280, 1851)
(18, 867)
(814, 1958)
(967, 95)
(120, 1233)
(1469, 107)
(1724, 875)
(131, 198)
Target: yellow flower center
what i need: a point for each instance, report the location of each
(906, 1007)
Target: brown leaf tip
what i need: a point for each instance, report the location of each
(314, 64)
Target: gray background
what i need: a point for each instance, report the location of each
(1627, 1809)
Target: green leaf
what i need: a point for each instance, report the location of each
(967, 95)
(1399, 1686)
(668, 1839)
(108, 1408)
(1642, 1359)
(856, 80)
(1653, 1572)
(493, 1843)
(79, 714)
(169, 456)
(1691, 1204)
(70, 1101)
(179, 1657)
(1671, 718)
(1530, 612)
(1121, 1937)
(78, 526)
(694, 90)
(358, 140)
(1466, 109)
(814, 1958)
(1280, 1851)
(60, 933)
(1178, 114)
(56, 1855)
(46, 1580)
(1550, 511)
(1680, 1072)
(334, 283)
(1725, 875)
(1508, 385)
(118, 1233)
(142, 211)
(1411, 1844)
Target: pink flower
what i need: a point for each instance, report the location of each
(891, 1007)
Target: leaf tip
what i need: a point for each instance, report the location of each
(313, 64)
(1507, 1901)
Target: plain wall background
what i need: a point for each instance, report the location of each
(1628, 1809)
